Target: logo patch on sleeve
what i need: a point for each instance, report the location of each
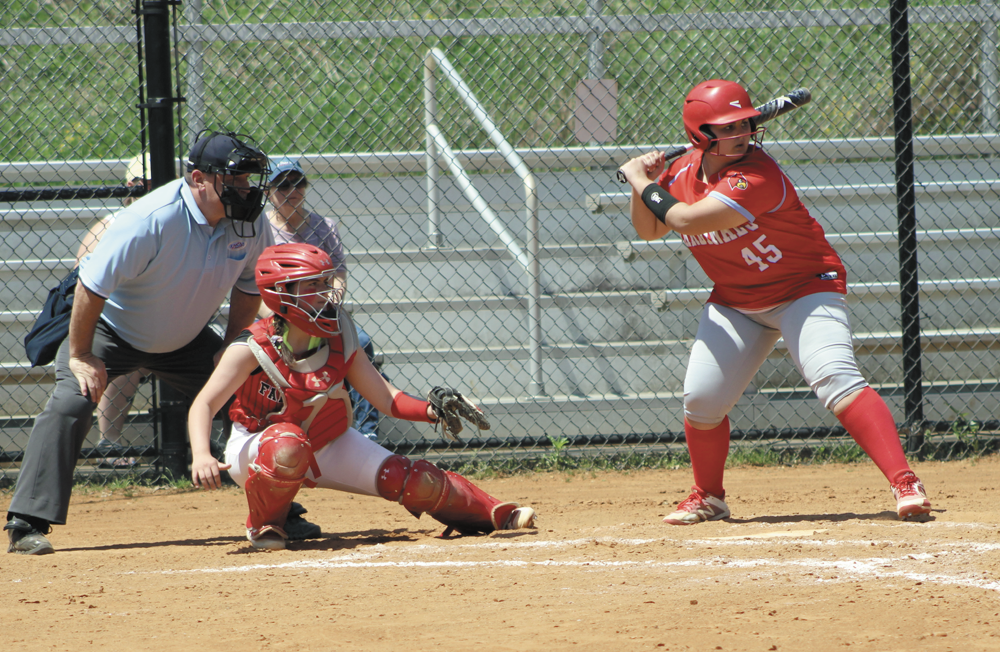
(738, 182)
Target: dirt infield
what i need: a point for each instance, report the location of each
(813, 559)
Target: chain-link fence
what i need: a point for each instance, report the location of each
(451, 141)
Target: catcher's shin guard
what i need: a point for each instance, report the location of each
(283, 457)
(448, 497)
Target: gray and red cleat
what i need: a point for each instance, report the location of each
(911, 499)
(699, 506)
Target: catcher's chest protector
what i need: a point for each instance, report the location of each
(310, 393)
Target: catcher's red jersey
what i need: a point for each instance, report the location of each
(309, 393)
(778, 255)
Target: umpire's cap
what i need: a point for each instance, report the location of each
(226, 153)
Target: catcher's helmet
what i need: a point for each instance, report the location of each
(279, 270)
(231, 155)
(715, 102)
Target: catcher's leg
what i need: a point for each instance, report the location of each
(283, 457)
(448, 497)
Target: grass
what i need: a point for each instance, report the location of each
(583, 462)
(309, 96)
(128, 482)
(967, 433)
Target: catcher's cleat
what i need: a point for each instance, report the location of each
(26, 539)
(297, 528)
(911, 499)
(269, 537)
(698, 507)
(520, 518)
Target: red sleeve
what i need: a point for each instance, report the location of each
(406, 407)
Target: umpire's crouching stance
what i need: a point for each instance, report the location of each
(144, 299)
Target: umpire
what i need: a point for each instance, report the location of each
(144, 300)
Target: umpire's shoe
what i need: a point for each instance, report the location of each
(27, 539)
(298, 528)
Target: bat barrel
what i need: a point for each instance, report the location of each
(783, 104)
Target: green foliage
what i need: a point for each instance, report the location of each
(587, 461)
(557, 458)
(365, 94)
(966, 431)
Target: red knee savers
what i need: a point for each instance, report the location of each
(392, 477)
(419, 486)
(425, 489)
(283, 457)
(284, 452)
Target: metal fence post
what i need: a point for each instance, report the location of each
(434, 238)
(909, 274)
(159, 104)
(595, 43)
(195, 115)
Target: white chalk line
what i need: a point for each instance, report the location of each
(866, 569)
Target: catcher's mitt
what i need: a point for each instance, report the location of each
(449, 405)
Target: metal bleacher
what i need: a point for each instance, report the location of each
(620, 313)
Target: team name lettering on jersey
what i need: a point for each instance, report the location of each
(268, 392)
(719, 237)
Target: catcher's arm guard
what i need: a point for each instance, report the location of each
(449, 405)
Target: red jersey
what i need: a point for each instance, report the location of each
(780, 254)
(309, 393)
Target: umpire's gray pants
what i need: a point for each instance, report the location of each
(46, 478)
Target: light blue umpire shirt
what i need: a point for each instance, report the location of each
(164, 271)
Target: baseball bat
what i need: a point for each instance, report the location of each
(768, 111)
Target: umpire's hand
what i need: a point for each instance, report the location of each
(91, 374)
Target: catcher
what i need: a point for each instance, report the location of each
(292, 415)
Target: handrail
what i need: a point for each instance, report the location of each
(409, 162)
(465, 183)
(501, 26)
(630, 250)
(435, 60)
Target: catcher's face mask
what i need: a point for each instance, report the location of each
(313, 303)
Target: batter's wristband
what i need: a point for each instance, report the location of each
(406, 407)
(658, 200)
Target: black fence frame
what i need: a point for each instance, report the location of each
(157, 103)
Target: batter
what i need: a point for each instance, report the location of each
(775, 275)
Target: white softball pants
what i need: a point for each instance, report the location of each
(348, 463)
(731, 346)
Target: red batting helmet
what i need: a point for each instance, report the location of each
(715, 102)
(280, 268)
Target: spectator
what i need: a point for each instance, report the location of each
(292, 221)
(117, 399)
(144, 300)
